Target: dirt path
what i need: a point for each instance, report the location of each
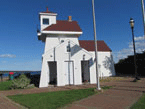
(123, 95)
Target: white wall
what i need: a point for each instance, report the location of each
(106, 64)
(77, 57)
(52, 20)
(105, 61)
(93, 73)
(44, 77)
(54, 40)
(61, 55)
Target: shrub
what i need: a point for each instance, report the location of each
(20, 83)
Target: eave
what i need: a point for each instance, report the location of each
(62, 32)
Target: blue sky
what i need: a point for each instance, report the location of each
(21, 50)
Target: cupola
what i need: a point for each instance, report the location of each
(47, 18)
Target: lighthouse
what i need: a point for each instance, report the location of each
(66, 59)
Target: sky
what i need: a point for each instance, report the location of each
(20, 48)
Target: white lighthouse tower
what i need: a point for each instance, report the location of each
(55, 33)
(46, 19)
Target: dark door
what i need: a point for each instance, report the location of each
(52, 72)
(85, 71)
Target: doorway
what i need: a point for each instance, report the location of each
(85, 71)
(52, 72)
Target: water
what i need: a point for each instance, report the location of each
(17, 73)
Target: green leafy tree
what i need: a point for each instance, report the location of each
(121, 61)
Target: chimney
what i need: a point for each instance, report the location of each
(69, 18)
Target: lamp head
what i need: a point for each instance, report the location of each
(131, 23)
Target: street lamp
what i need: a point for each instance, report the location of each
(132, 28)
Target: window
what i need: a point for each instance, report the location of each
(62, 41)
(45, 21)
(68, 48)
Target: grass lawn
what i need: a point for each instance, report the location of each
(5, 85)
(53, 100)
(110, 79)
(140, 104)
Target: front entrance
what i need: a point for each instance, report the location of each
(52, 72)
(85, 71)
(69, 73)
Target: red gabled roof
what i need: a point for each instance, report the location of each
(90, 46)
(64, 25)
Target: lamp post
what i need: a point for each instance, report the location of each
(132, 28)
(95, 39)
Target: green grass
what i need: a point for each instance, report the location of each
(140, 104)
(110, 79)
(5, 85)
(53, 100)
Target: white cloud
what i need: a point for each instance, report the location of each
(139, 44)
(139, 38)
(7, 56)
(125, 52)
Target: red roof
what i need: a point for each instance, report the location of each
(90, 46)
(64, 25)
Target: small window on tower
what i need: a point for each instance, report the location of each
(46, 21)
(62, 41)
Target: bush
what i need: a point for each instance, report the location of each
(20, 83)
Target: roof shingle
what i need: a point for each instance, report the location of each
(64, 25)
(90, 46)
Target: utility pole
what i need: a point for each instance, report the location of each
(143, 15)
(95, 39)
